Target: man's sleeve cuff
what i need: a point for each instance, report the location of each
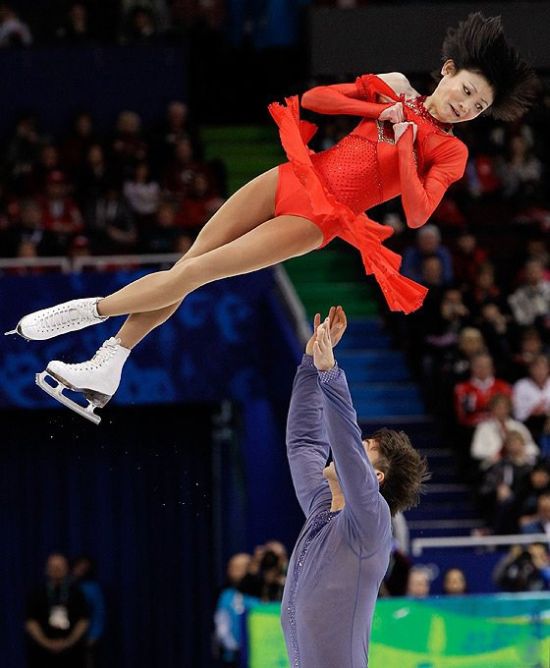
(330, 375)
(307, 361)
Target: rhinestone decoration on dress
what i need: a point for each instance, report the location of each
(416, 104)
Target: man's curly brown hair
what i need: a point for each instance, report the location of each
(405, 470)
(479, 44)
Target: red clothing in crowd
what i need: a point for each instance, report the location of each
(472, 399)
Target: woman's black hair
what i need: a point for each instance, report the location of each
(479, 45)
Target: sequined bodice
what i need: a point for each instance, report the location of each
(352, 169)
(362, 169)
(351, 172)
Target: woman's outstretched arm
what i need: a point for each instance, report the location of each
(347, 98)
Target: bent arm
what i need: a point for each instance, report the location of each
(353, 99)
(306, 438)
(35, 631)
(420, 197)
(368, 511)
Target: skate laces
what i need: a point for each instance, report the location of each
(103, 355)
(60, 316)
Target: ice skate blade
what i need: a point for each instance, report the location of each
(17, 331)
(57, 393)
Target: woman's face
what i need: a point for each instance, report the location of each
(461, 95)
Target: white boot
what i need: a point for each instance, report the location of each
(98, 379)
(60, 319)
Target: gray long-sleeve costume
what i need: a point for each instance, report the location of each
(340, 557)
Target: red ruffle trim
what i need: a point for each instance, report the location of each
(401, 293)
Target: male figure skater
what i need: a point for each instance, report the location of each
(343, 550)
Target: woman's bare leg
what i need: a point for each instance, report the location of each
(271, 242)
(250, 206)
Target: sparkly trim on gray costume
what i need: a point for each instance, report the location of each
(331, 374)
(322, 519)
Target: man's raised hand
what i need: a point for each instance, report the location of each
(323, 356)
(337, 324)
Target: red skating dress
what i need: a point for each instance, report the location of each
(334, 188)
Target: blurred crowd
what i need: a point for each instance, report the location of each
(136, 190)
(134, 22)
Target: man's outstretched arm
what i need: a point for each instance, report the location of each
(365, 506)
(307, 444)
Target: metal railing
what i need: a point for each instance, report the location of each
(99, 262)
(418, 545)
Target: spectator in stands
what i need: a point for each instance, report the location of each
(13, 32)
(454, 582)
(198, 206)
(57, 620)
(141, 28)
(530, 303)
(482, 176)
(48, 162)
(502, 483)
(76, 146)
(442, 329)
(181, 172)
(61, 217)
(162, 235)
(537, 249)
(128, 145)
(231, 606)
(490, 434)
(76, 28)
(266, 574)
(110, 224)
(468, 258)
(30, 227)
(524, 569)
(521, 171)
(532, 396)
(459, 361)
(94, 177)
(85, 578)
(175, 128)
(530, 347)
(419, 582)
(482, 289)
(22, 152)
(472, 397)
(540, 522)
(142, 193)
(428, 243)
(495, 328)
(537, 483)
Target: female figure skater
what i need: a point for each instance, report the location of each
(403, 145)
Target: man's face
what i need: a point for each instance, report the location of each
(372, 448)
(482, 367)
(57, 567)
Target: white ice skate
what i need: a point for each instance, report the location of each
(97, 379)
(60, 319)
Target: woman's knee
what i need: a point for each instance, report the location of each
(184, 274)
